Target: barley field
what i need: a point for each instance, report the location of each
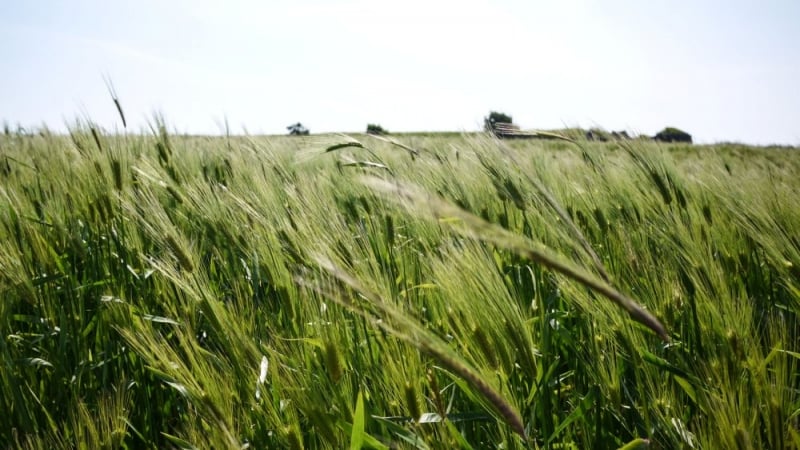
(411, 291)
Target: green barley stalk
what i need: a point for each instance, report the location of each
(115, 98)
(562, 214)
(379, 311)
(437, 207)
(412, 151)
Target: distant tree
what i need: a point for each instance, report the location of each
(671, 134)
(297, 130)
(495, 117)
(375, 129)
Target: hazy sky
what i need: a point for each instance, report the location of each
(722, 70)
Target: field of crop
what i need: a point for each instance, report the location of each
(426, 291)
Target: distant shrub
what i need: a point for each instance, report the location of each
(495, 117)
(375, 129)
(671, 134)
(297, 130)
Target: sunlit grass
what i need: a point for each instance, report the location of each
(420, 292)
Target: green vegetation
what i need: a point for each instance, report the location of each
(298, 129)
(495, 116)
(417, 292)
(373, 128)
(671, 134)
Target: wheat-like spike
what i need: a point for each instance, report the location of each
(424, 340)
(489, 232)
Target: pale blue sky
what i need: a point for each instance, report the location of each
(722, 70)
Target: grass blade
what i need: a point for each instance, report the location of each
(357, 435)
